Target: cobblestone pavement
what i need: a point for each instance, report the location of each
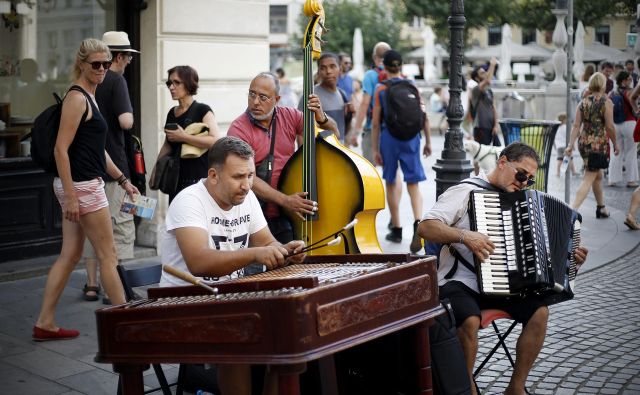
(593, 341)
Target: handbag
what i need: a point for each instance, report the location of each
(165, 177)
(636, 132)
(597, 160)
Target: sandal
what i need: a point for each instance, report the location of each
(631, 223)
(602, 212)
(90, 297)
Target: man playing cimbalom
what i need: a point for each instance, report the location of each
(255, 127)
(215, 228)
(112, 96)
(448, 223)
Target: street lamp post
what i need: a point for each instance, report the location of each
(454, 166)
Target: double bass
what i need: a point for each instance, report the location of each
(345, 185)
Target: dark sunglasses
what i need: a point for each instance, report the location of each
(96, 65)
(173, 82)
(521, 176)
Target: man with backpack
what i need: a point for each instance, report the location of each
(113, 100)
(369, 82)
(447, 223)
(398, 116)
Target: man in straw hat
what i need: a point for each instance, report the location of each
(113, 100)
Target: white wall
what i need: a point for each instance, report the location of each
(226, 41)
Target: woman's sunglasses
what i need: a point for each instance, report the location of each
(96, 65)
(521, 175)
(173, 82)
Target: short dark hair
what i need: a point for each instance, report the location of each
(326, 55)
(226, 146)
(516, 151)
(274, 78)
(621, 76)
(606, 65)
(629, 61)
(189, 77)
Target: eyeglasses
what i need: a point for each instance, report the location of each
(173, 82)
(521, 175)
(96, 65)
(263, 98)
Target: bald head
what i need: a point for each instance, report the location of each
(380, 48)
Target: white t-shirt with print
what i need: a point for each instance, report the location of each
(227, 230)
(452, 208)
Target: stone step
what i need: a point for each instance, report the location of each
(33, 267)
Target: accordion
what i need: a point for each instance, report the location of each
(535, 235)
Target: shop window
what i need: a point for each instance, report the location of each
(603, 33)
(278, 19)
(495, 35)
(32, 69)
(528, 36)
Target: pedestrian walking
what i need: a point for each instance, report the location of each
(81, 161)
(593, 127)
(112, 96)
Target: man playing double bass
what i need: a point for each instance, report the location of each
(257, 126)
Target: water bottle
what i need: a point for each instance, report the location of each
(565, 164)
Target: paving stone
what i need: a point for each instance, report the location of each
(47, 364)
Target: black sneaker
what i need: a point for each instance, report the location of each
(395, 236)
(416, 240)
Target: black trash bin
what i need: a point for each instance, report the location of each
(538, 134)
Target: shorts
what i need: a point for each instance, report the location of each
(90, 194)
(466, 303)
(561, 153)
(124, 229)
(407, 153)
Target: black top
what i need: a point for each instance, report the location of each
(191, 170)
(112, 96)
(86, 153)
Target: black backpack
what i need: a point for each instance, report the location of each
(403, 113)
(45, 131)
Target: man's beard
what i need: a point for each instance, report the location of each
(263, 117)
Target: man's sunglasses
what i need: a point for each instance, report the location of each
(521, 175)
(96, 65)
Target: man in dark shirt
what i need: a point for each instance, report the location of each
(482, 108)
(114, 103)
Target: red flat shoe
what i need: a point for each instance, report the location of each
(41, 335)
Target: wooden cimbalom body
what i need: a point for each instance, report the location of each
(284, 318)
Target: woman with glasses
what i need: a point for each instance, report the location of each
(594, 126)
(81, 160)
(183, 85)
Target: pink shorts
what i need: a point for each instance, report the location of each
(90, 194)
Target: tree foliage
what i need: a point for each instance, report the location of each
(534, 14)
(342, 17)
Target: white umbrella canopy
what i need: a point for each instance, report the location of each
(578, 52)
(429, 54)
(504, 72)
(519, 53)
(597, 52)
(358, 55)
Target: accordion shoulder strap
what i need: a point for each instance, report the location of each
(480, 183)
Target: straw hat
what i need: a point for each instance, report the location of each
(189, 151)
(118, 41)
